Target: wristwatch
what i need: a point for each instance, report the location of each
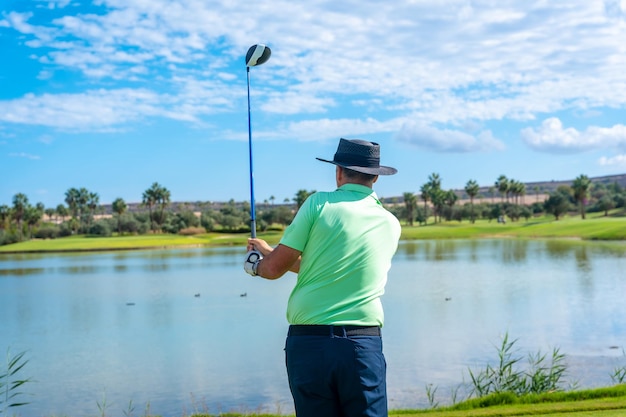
(255, 266)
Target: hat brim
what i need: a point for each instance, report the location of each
(381, 170)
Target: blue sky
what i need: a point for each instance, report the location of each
(113, 95)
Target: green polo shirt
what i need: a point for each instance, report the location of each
(347, 239)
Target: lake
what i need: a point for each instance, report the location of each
(178, 331)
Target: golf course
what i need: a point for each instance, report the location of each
(596, 227)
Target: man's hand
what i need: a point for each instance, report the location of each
(259, 245)
(251, 262)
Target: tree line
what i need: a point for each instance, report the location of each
(82, 214)
(582, 196)
(82, 211)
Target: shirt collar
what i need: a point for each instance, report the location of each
(362, 189)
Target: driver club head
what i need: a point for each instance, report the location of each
(257, 54)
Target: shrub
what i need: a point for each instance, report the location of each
(8, 237)
(190, 231)
(65, 230)
(47, 232)
(100, 228)
(129, 225)
(207, 221)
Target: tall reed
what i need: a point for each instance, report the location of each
(540, 376)
(10, 383)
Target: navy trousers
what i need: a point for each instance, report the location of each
(337, 374)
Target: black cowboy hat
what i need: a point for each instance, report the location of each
(361, 156)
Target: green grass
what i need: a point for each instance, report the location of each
(84, 243)
(594, 227)
(601, 402)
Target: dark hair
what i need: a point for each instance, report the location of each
(359, 176)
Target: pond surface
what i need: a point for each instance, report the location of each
(183, 331)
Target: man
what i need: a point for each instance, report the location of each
(341, 244)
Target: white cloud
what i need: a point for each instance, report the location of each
(618, 161)
(105, 110)
(46, 139)
(447, 140)
(297, 103)
(551, 136)
(24, 155)
(97, 109)
(325, 129)
(444, 62)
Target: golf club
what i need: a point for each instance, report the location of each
(257, 54)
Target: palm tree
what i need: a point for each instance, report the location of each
(581, 187)
(517, 189)
(435, 193)
(425, 196)
(5, 214)
(410, 201)
(50, 212)
(72, 201)
(62, 212)
(438, 198)
(20, 205)
(92, 204)
(434, 180)
(149, 198)
(32, 216)
(520, 190)
(502, 185)
(450, 199)
(119, 206)
(164, 198)
(472, 188)
(83, 204)
(156, 195)
(301, 197)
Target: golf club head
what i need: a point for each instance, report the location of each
(257, 54)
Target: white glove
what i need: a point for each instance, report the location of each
(252, 262)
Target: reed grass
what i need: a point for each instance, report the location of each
(540, 376)
(11, 383)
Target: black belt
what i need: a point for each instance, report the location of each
(326, 330)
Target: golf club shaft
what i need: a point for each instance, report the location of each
(252, 209)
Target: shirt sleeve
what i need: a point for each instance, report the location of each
(297, 233)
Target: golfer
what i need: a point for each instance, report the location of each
(340, 244)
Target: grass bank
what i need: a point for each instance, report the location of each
(594, 227)
(158, 241)
(605, 402)
(601, 402)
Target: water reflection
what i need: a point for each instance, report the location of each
(514, 251)
(17, 272)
